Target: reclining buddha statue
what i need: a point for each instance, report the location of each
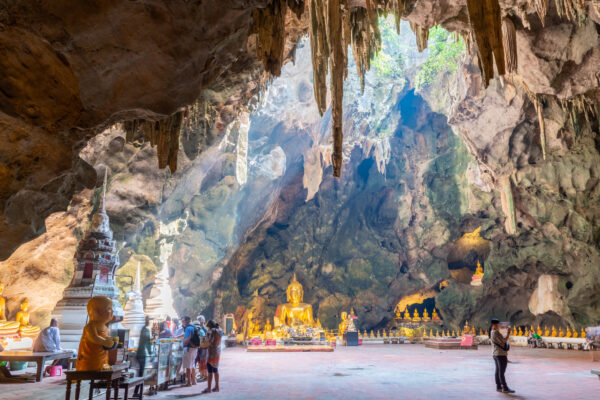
(294, 312)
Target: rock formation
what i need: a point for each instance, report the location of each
(532, 135)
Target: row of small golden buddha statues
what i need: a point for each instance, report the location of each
(405, 316)
(21, 323)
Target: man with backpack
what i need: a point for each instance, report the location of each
(500, 352)
(191, 342)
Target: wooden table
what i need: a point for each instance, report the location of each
(38, 358)
(107, 378)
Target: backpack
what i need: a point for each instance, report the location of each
(195, 339)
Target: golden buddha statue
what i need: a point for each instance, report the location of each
(466, 329)
(553, 331)
(426, 316)
(294, 312)
(582, 332)
(560, 332)
(546, 332)
(268, 327)
(406, 316)
(416, 317)
(539, 331)
(479, 270)
(6, 327)
(434, 315)
(575, 333)
(342, 327)
(480, 332)
(372, 335)
(569, 333)
(25, 328)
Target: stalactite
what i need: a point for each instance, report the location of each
(541, 7)
(319, 52)
(573, 10)
(269, 26)
(485, 19)
(422, 36)
(539, 107)
(297, 6)
(337, 66)
(509, 42)
(164, 134)
(508, 205)
(365, 37)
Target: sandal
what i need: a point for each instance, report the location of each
(215, 389)
(207, 390)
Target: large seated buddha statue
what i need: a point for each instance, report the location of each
(294, 312)
(26, 329)
(6, 327)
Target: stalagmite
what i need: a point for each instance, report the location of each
(508, 205)
(509, 42)
(539, 108)
(485, 19)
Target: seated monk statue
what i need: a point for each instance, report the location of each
(6, 327)
(96, 340)
(26, 329)
(294, 312)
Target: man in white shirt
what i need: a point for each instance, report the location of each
(48, 341)
(49, 338)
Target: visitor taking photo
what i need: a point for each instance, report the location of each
(500, 349)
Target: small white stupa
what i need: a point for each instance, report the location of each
(134, 319)
(160, 302)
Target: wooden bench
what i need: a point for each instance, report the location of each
(596, 372)
(38, 358)
(108, 379)
(137, 383)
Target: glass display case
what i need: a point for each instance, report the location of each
(163, 368)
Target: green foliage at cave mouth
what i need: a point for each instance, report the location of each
(445, 52)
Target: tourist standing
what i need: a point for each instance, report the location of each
(163, 331)
(500, 353)
(177, 328)
(190, 350)
(144, 349)
(214, 355)
(202, 351)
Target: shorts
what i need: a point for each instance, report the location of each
(189, 357)
(211, 369)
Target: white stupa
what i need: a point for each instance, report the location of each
(134, 319)
(160, 302)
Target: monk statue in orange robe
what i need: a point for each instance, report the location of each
(96, 340)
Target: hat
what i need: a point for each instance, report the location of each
(495, 321)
